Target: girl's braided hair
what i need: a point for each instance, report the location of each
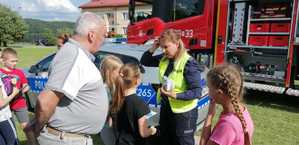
(228, 78)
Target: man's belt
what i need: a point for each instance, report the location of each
(63, 134)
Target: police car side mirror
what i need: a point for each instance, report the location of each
(142, 70)
(34, 69)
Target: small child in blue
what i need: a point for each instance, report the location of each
(8, 134)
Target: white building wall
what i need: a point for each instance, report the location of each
(120, 20)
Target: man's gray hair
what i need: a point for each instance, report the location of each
(88, 21)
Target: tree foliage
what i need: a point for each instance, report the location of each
(47, 31)
(65, 30)
(49, 36)
(12, 26)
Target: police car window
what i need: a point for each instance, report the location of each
(125, 59)
(45, 63)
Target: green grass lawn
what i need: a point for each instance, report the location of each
(27, 56)
(30, 54)
(276, 117)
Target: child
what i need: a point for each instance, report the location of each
(235, 126)
(18, 105)
(8, 134)
(109, 68)
(128, 110)
(61, 40)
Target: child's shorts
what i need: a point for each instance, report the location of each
(22, 115)
(8, 133)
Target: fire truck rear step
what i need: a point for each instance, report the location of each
(292, 92)
(264, 87)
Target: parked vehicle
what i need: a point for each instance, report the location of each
(261, 36)
(128, 54)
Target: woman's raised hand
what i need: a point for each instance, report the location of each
(155, 46)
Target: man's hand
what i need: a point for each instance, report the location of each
(28, 127)
(30, 134)
(155, 46)
(170, 93)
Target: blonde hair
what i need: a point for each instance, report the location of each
(172, 36)
(128, 75)
(107, 66)
(228, 79)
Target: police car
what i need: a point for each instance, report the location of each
(129, 53)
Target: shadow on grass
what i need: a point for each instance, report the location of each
(271, 100)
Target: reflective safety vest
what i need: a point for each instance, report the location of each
(179, 82)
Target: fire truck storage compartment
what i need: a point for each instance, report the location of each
(269, 23)
(258, 40)
(278, 41)
(269, 68)
(259, 27)
(264, 55)
(280, 27)
(263, 9)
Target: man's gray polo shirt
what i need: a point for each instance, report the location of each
(84, 107)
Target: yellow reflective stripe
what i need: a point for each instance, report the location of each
(181, 106)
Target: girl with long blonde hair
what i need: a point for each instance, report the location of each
(109, 68)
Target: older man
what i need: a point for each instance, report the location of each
(74, 103)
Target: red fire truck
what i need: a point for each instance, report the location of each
(261, 36)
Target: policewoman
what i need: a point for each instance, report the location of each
(179, 99)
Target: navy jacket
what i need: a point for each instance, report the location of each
(192, 72)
